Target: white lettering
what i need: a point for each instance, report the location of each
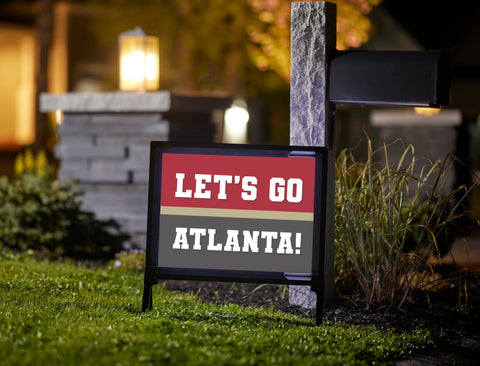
(298, 242)
(249, 190)
(180, 192)
(250, 241)
(232, 244)
(181, 241)
(269, 236)
(294, 190)
(211, 241)
(285, 245)
(197, 233)
(200, 187)
(222, 189)
(277, 189)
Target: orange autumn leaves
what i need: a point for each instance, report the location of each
(270, 32)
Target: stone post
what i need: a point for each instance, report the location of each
(313, 37)
(104, 143)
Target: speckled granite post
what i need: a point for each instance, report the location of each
(313, 35)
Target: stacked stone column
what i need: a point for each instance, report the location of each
(109, 154)
(104, 143)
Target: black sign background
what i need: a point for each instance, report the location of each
(154, 272)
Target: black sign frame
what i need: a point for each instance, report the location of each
(154, 273)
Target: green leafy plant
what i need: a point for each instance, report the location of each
(39, 213)
(130, 261)
(390, 218)
(34, 213)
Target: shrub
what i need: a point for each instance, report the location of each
(130, 261)
(389, 219)
(41, 214)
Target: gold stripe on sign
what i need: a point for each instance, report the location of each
(239, 214)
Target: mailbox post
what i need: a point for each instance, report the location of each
(322, 77)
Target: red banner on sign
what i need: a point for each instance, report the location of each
(238, 182)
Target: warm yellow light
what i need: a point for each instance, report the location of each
(151, 67)
(133, 67)
(59, 116)
(139, 61)
(426, 111)
(236, 120)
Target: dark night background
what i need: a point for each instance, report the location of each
(447, 25)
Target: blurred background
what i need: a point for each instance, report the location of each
(234, 49)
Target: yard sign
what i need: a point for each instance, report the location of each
(235, 213)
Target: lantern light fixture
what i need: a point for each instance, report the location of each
(139, 61)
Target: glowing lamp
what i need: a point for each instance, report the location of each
(426, 111)
(139, 61)
(236, 120)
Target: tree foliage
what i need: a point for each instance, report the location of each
(270, 34)
(231, 46)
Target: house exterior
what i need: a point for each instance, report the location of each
(78, 63)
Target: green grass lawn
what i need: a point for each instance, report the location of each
(63, 314)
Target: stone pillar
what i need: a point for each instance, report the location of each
(313, 35)
(104, 143)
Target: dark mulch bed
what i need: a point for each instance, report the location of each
(452, 315)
